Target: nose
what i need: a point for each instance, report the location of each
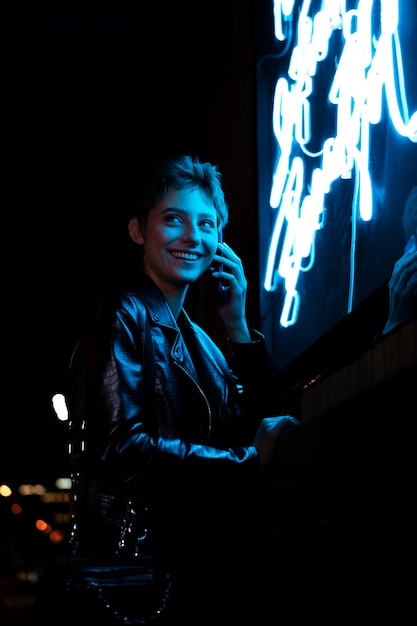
(191, 233)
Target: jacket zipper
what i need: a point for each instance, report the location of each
(186, 372)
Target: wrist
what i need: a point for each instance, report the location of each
(239, 335)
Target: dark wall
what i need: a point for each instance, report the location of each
(339, 524)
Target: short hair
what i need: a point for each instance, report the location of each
(181, 172)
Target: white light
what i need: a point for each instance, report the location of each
(282, 8)
(63, 483)
(60, 407)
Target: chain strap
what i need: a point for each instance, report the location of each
(131, 535)
(135, 621)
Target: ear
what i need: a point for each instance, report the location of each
(135, 231)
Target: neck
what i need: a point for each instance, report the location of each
(173, 294)
(175, 303)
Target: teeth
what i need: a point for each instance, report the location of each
(186, 255)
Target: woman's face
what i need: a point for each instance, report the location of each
(180, 238)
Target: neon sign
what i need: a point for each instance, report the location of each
(368, 79)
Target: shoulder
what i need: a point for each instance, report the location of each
(140, 296)
(136, 305)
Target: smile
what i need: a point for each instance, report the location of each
(189, 256)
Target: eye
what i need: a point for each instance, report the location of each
(208, 224)
(172, 218)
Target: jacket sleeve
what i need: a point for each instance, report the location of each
(256, 375)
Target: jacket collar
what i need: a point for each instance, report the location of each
(156, 304)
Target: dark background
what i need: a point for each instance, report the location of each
(91, 95)
(96, 93)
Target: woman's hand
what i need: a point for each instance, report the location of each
(231, 302)
(267, 434)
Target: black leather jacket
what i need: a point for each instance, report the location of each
(194, 427)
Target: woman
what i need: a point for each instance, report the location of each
(176, 428)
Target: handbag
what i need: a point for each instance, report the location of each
(130, 588)
(116, 591)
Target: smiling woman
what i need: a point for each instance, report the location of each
(175, 432)
(182, 234)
